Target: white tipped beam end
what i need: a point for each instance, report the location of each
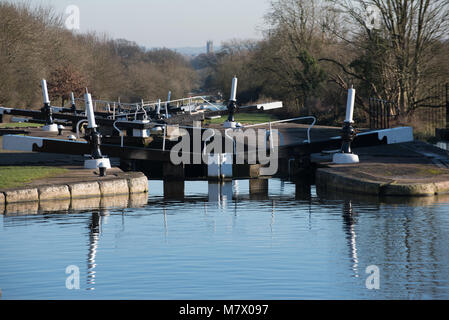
(350, 106)
(45, 91)
(90, 111)
(234, 89)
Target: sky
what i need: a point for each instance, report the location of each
(169, 23)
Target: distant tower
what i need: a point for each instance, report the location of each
(210, 47)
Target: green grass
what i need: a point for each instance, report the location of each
(20, 125)
(431, 172)
(11, 177)
(247, 118)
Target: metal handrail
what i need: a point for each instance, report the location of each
(144, 111)
(189, 100)
(77, 127)
(110, 102)
(287, 120)
(120, 133)
(165, 130)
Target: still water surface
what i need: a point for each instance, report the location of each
(223, 243)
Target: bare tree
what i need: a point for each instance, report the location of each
(407, 34)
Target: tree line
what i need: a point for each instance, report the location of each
(34, 45)
(314, 50)
(311, 52)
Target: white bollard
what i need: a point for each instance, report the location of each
(232, 104)
(93, 163)
(90, 111)
(345, 156)
(350, 106)
(158, 110)
(45, 92)
(166, 105)
(49, 127)
(234, 89)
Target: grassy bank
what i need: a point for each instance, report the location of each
(20, 125)
(12, 177)
(247, 118)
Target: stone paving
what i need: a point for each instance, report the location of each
(407, 169)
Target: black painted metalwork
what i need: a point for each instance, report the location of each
(232, 106)
(47, 114)
(348, 135)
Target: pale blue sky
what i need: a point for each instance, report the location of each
(170, 23)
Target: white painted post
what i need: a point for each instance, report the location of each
(50, 126)
(166, 104)
(99, 161)
(230, 123)
(72, 98)
(234, 90)
(165, 134)
(158, 110)
(45, 92)
(89, 110)
(350, 105)
(345, 156)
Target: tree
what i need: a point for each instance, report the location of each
(408, 34)
(296, 34)
(64, 80)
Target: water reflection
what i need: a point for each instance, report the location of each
(85, 204)
(54, 206)
(222, 226)
(303, 191)
(349, 221)
(21, 209)
(174, 190)
(258, 189)
(165, 224)
(74, 205)
(118, 201)
(221, 192)
(94, 236)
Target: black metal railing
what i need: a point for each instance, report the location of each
(433, 111)
(381, 113)
(430, 113)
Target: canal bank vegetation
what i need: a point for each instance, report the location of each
(34, 44)
(247, 118)
(310, 54)
(20, 125)
(313, 51)
(12, 177)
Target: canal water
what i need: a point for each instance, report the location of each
(224, 242)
